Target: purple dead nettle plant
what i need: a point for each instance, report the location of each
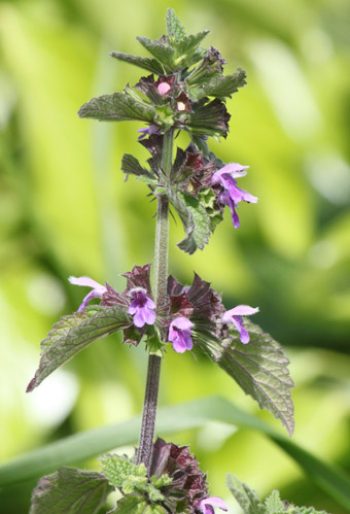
(185, 90)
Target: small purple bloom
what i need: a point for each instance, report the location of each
(147, 131)
(207, 505)
(180, 334)
(142, 307)
(235, 317)
(97, 290)
(231, 194)
(163, 88)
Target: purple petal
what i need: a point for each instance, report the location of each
(141, 307)
(207, 505)
(241, 310)
(235, 317)
(244, 336)
(87, 299)
(236, 193)
(163, 88)
(234, 214)
(183, 323)
(150, 303)
(180, 334)
(87, 282)
(245, 196)
(143, 316)
(234, 169)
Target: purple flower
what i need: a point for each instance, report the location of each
(142, 307)
(230, 193)
(147, 131)
(163, 88)
(235, 317)
(207, 505)
(180, 334)
(97, 290)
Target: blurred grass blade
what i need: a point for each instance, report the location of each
(85, 445)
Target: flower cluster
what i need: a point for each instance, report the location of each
(189, 308)
(186, 90)
(188, 491)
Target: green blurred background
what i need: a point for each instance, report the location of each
(65, 209)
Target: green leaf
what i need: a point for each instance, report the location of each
(260, 368)
(124, 474)
(142, 62)
(83, 446)
(127, 105)
(187, 52)
(196, 222)
(131, 166)
(73, 333)
(245, 496)
(219, 86)
(136, 505)
(175, 28)
(70, 491)
(130, 505)
(160, 49)
(273, 504)
(132, 478)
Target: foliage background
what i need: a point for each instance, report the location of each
(65, 209)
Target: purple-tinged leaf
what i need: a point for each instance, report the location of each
(210, 119)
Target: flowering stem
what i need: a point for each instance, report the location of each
(160, 266)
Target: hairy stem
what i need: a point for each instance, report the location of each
(160, 268)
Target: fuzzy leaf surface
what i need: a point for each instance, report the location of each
(124, 474)
(273, 504)
(70, 491)
(136, 505)
(245, 496)
(175, 28)
(219, 86)
(160, 49)
(187, 47)
(145, 63)
(74, 332)
(196, 222)
(131, 166)
(260, 368)
(126, 105)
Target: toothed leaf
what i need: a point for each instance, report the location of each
(131, 166)
(175, 28)
(74, 332)
(124, 474)
(245, 496)
(219, 86)
(195, 220)
(71, 491)
(187, 51)
(210, 119)
(260, 368)
(160, 49)
(145, 63)
(118, 107)
(250, 503)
